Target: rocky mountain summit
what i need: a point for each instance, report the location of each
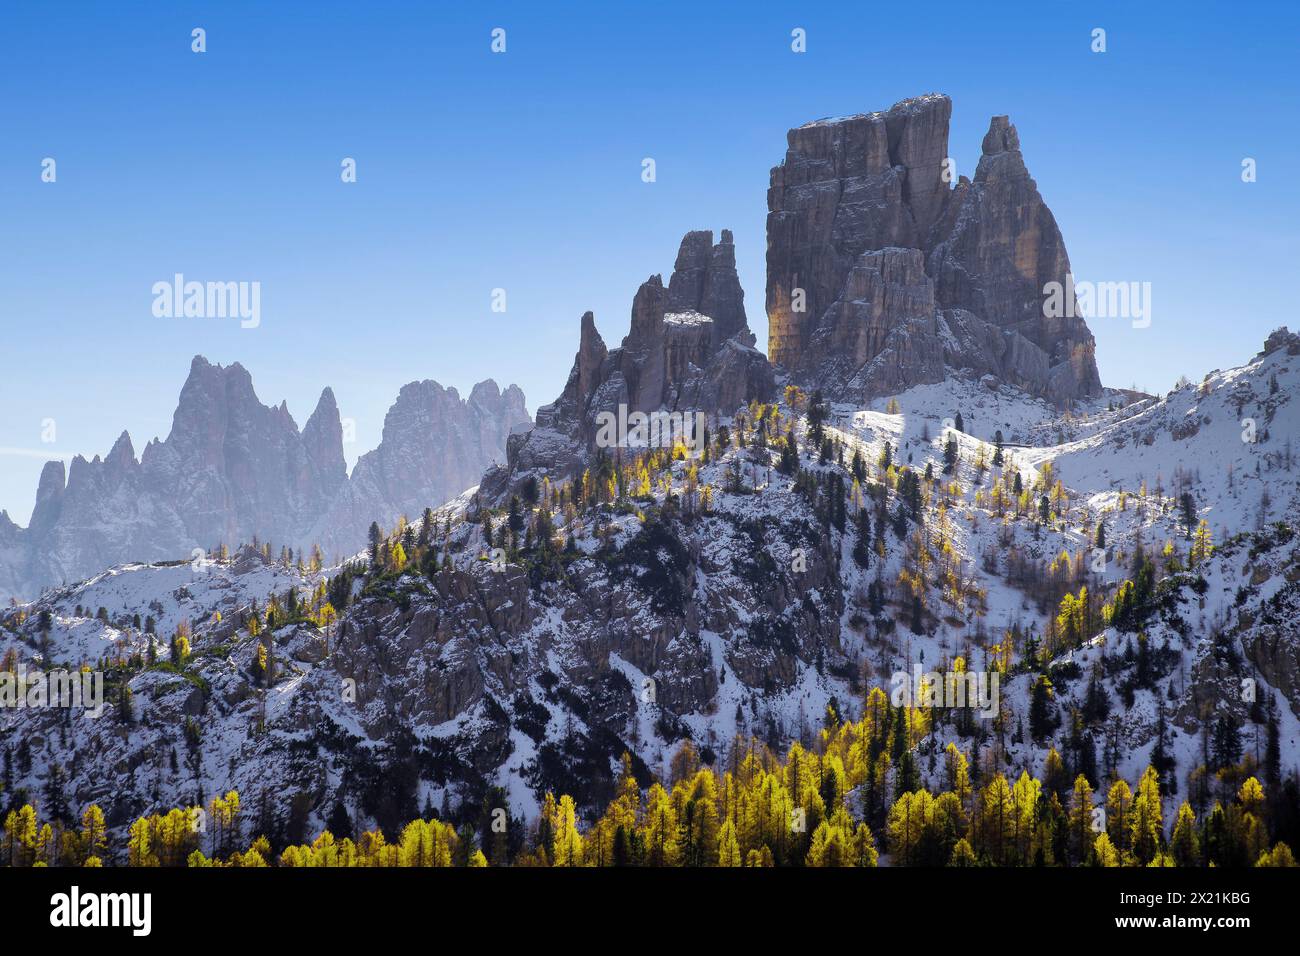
(880, 276)
(689, 349)
(232, 469)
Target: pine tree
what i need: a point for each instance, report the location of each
(1042, 716)
(962, 854)
(568, 842)
(660, 836)
(1147, 818)
(816, 418)
(1104, 852)
(1185, 843)
(950, 456)
(1202, 545)
(728, 846)
(862, 546)
(138, 849)
(1080, 820)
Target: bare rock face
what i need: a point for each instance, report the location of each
(49, 497)
(851, 312)
(882, 330)
(688, 349)
(13, 556)
(1003, 249)
(233, 469)
(322, 437)
(704, 280)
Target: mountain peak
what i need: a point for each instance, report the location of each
(1001, 137)
(705, 280)
(122, 453)
(850, 313)
(486, 391)
(322, 437)
(326, 403)
(49, 496)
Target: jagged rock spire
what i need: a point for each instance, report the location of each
(688, 348)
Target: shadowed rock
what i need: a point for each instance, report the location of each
(688, 349)
(849, 312)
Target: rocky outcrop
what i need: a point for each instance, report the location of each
(13, 556)
(688, 349)
(232, 469)
(705, 281)
(881, 276)
(1282, 338)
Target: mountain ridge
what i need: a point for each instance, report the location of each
(232, 469)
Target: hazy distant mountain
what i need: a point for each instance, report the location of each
(233, 468)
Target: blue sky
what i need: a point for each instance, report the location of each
(522, 171)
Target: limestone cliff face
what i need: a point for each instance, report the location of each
(880, 276)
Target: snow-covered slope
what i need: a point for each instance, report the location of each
(662, 619)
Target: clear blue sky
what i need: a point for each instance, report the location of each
(522, 171)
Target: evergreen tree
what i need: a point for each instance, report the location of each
(950, 456)
(816, 417)
(1042, 713)
(1189, 511)
(862, 546)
